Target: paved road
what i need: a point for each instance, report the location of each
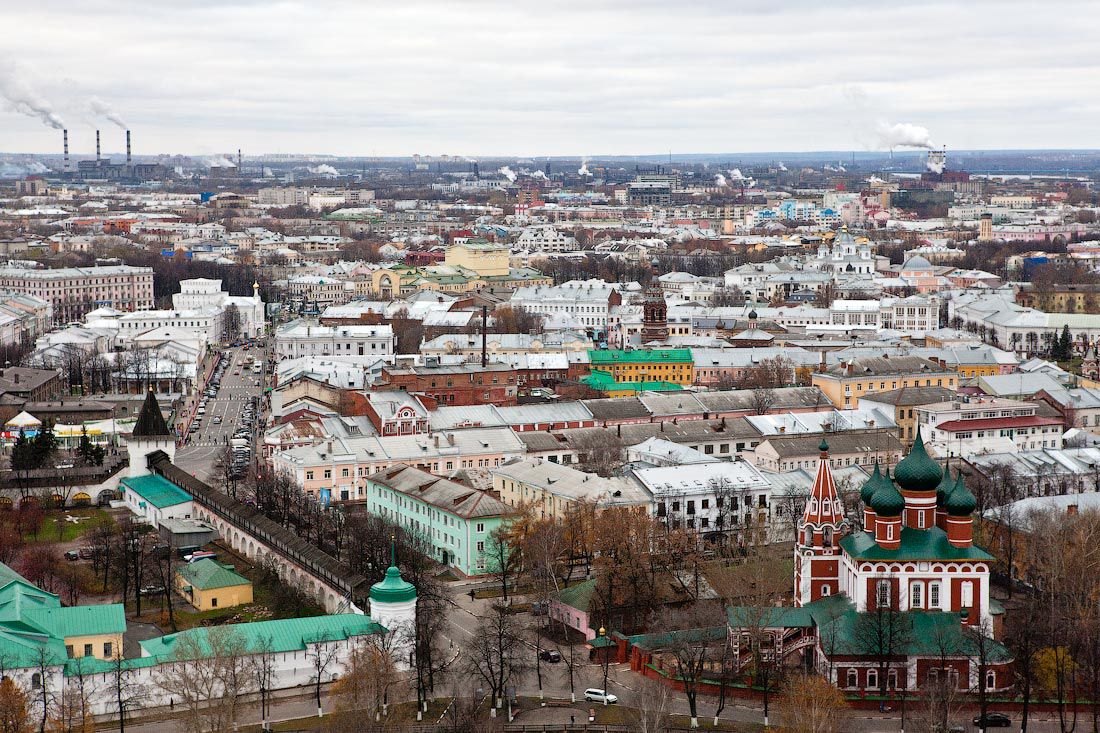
(238, 385)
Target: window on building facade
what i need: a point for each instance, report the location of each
(882, 594)
(933, 595)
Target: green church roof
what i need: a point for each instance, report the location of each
(393, 589)
(960, 502)
(916, 544)
(917, 471)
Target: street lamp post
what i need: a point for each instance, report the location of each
(603, 647)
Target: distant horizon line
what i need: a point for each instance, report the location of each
(648, 157)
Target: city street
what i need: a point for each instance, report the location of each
(201, 449)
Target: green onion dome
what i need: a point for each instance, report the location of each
(917, 471)
(871, 486)
(887, 500)
(960, 502)
(945, 487)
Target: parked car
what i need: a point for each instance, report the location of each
(201, 555)
(594, 694)
(550, 655)
(86, 553)
(72, 555)
(152, 590)
(993, 720)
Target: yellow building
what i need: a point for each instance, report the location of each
(551, 489)
(207, 584)
(645, 365)
(485, 258)
(846, 382)
(83, 631)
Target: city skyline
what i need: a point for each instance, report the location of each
(494, 79)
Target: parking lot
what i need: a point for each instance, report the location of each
(225, 417)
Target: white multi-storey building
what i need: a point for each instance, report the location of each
(545, 238)
(309, 338)
(203, 293)
(587, 302)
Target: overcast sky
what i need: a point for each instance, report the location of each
(511, 77)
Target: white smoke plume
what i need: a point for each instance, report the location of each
(936, 166)
(219, 162)
(23, 98)
(720, 179)
(904, 135)
(468, 160)
(737, 175)
(583, 170)
(540, 174)
(18, 170)
(508, 173)
(324, 170)
(102, 109)
(781, 167)
(875, 179)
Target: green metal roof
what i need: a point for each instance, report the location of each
(209, 574)
(606, 357)
(770, 617)
(32, 621)
(916, 544)
(157, 490)
(578, 596)
(604, 382)
(285, 635)
(393, 588)
(82, 620)
(931, 633)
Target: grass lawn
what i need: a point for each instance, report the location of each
(154, 610)
(56, 521)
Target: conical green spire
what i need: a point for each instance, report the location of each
(870, 486)
(945, 487)
(917, 471)
(960, 502)
(887, 500)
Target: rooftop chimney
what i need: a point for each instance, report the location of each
(127, 147)
(97, 146)
(484, 335)
(65, 140)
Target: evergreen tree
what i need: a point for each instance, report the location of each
(85, 449)
(1066, 344)
(43, 445)
(22, 453)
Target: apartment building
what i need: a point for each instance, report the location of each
(588, 303)
(456, 520)
(73, 292)
(337, 469)
(843, 384)
(309, 338)
(459, 384)
(551, 489)
(645, 365)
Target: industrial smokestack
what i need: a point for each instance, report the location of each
(477, 173)
(127, 147)
(65, 140)
(239, 161)
(484, 336)
(97, 146)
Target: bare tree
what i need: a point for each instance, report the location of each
(494, 654)
(809, 703)
(322, 654)
(692, 652)
(208, 677)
